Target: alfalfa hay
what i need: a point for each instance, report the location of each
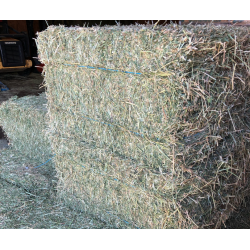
(150, 124)
(24, 122)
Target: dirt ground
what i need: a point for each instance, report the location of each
(32, 85)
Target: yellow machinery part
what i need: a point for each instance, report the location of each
(28, 64)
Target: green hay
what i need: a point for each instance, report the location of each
(24, 122)
(28, 200)
(18, 170)
(165, 149)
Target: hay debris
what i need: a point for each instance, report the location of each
(168, 148)
(28, 200)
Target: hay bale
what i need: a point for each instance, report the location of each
(24, 122)
(160, 139)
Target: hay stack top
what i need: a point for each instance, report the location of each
(140, 49)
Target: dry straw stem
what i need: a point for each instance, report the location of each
(168, 148)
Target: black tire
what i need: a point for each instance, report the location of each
(26, 72)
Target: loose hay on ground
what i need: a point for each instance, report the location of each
(27, 200)
(18, 169)
(166, 148)
(22, 210)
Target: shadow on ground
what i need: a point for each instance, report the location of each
(240, 219)
(21, 85)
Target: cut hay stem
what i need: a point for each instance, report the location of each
(235, 46)
(247, 66)
(173, 161)
(209, 76)
(231, 119)
(233, 76)
(218, 53)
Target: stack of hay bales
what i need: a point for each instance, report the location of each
(24, 122)
(150, 125)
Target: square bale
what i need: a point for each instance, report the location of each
(150, 125)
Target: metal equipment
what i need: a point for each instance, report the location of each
(14, 51)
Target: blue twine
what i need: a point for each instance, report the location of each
(118, 217)
(121, 219)
(113, 126)
(186, 137)
(45, 162)
(103, 174)
(82, 166)
(114, 70)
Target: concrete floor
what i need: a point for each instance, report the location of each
(19, 86)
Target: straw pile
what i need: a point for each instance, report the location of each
(24, 122)
(166, 148)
